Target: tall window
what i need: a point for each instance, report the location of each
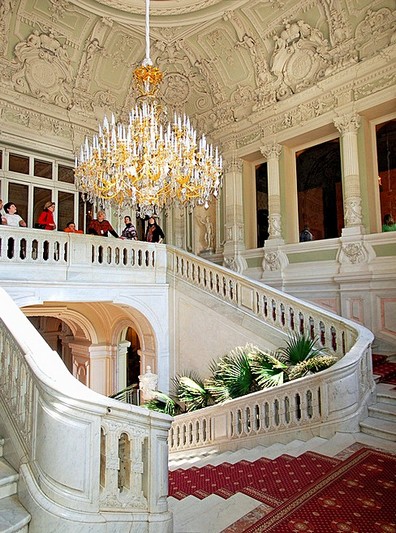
(262, 204)
(386, 151)
(319, 185)
(40, 197)
(65, 209)
(18, 193)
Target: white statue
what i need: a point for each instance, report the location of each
(208, 232)
(148, 383)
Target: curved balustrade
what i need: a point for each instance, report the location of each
(81, 455)
(318, 404)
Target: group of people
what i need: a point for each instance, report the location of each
(102, 227)
(98, 226)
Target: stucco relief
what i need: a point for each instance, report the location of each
(236, 263)
(175, 89)
(58, 8)
(36, 121)
(5, 15)
(274, 260)
(274, 226)
(44, 69)
(375, 32)
(300, 58)
(353, 212)
(355, 253)
(374, 85)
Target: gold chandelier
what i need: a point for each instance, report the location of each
(149, 164)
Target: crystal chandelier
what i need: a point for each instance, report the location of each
(150, 163)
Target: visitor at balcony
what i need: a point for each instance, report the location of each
(100, 226)
(389, 223)
(129, 232)
(11, 217)
(71, 228)
(46, 219)
(154, 232)
(306, 235)
(1, 212)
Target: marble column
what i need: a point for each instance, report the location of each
(95, 366)
(234, 225)
(122, 350)
(80, 360)
(348, 126)
(272, 152)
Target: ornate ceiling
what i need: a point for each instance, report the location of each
(224, 60)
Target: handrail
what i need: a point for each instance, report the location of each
(78, 257)
(84, 453)
(334, 398)
(270, 306)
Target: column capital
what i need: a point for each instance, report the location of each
(233, 164)
(348, 123)
(271, 150)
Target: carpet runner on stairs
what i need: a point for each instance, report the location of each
(268, 481)
(384, 369)
(357, 496)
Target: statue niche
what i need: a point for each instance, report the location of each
(45, 71)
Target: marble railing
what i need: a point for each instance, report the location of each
(270, 306)
(318, 404)
(80, 455)
(76, 256)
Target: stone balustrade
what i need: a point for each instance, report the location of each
(76, 257)
(81, 456)
(270, 306)
(320, 404)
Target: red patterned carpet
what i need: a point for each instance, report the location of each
(268, 481)
(357, 496)
(384, 369)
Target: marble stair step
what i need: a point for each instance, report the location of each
(379, 428)
(386, 393)
(13, 516)
(336, 444)
(211, 515)
(8, 479)
(383, 410)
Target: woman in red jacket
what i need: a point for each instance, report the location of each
(46, 219)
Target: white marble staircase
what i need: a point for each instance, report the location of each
(13, 516)
(213, 514)
(381, 421)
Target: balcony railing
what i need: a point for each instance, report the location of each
(76, 257)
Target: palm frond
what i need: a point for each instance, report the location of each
(162, 403)
(311, 366)
(299, 347)
(190, 389)
(232, 375)
(268, 370)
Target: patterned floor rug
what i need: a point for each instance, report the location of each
(357, 496)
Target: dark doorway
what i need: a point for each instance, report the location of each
(133, 357)
(262, 204)
(319, 185)
(386, 153)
